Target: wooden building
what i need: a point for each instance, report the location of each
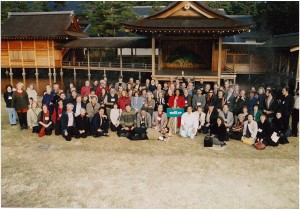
(189, 39)
(29, 39)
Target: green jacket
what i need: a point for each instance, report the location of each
(257, 116)
(20, 102)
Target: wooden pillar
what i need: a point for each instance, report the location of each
(49, 65)
(297, 73)
(140, 76)
(74, 76)
(121, 62)
(23, 67)
(153, 55)
(89, 66)
(212, 53)
(36, 68)
(159, 56)
(61, 76)
(53, 55)
(288, 70)
(131, 55)
(219, 60)
(9, 63)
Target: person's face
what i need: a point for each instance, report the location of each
(143, 113)
(284, 92)
(147, 81)
(230, 90)
(200, 109)
(267, 93)
(74, 94)
(219, 121)
(137, 82)
(60, 103)
(144, 92)
(185, 92)
(245, 110)
(94, 100)
(160, 108)
(220, 94)
(127, 108)
(95, 83)
(63, 96)
(251, 94)
(158, 86)
(183, 85)
(92, 92)
(31, 87)
(149, 96)
(278, 115)
(33, 104)
(242, 93)
(69, 108)
(101, 111)
(198, 91)
(241, 119)
(103, 91)
(87, 83)
(255, 108)
(85, 98)
(260, 91)
(215, 86)
(78, 99)
(120, 88)
(226, 84)
(112, 91)
(123, 93)
(177, 93)
(262, 118)
(120, 80)
(55, 87)
(250, 118)
(191, 86)
(225, 108)
(136, 94)
(201, 80)
(160, 95)
(45, 109)
(82, 112)
(165, 85)
(115, 106)
(210, 108)
(8, 89)
(189, 109)
(129, 93)
(71, 85)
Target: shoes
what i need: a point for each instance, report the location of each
(223, 144)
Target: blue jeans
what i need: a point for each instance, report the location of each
(12, 114)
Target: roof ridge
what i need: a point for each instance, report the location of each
(40, 13)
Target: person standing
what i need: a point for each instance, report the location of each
(9, 109)
(20, 102)
(31, 92)
(270, 105)
(86, 89)
(120, 83)
(109, 100)
(198, 100)
(286, 106)
(295, 115)
(177, 101)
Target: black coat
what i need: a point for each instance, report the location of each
(64, 121)
(82, 123)
(264, 131)
(219, 131)
(279, 126)
(213, 117)
(8, 98)
(287, 105)
(273, 106)
(82, 106)
(95, 124)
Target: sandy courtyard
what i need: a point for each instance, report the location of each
(114, 172)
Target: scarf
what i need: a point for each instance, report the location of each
(42, 131)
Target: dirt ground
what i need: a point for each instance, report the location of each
(114, 172)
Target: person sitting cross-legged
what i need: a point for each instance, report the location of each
(264, 130)
(127, 122)
(100, 123)
(189, 124)
(83, 124)
(250, 131)
(201, 118)
(68, 127)
(143, 122)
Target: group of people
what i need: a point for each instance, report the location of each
(132, 109)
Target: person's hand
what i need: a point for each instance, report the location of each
(66, 133)
(99, 130)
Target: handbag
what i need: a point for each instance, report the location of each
(259, 145)
(208, 141)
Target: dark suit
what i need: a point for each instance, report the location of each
(97, 123)
(212, 120)
(264, 132)
(273, 107)
(72, 131)
(83, 123)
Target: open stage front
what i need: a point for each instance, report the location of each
(187, 72)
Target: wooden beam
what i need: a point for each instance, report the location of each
(153, 55)
(219, 60)
(9, 63)
(89, 66)
(212, 54)
(74, 76)
(121, 62)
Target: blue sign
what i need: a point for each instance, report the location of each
(175, 112)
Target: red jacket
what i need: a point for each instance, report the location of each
(53, 117)
(180, 102)
(122, 101)
(85, 90)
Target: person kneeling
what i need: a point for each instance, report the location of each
(143, 122)
(100, 124)
(45, 123)
(219, 132)
(68, 128)
(189, 124)
(127, 122)
(83, 124)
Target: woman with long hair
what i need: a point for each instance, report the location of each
(45, 122)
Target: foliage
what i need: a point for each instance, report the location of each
(12, 6)
(106, 18)
(183, 57)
